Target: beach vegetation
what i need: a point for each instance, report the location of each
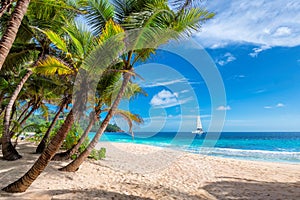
(54, 50)
(98, 154)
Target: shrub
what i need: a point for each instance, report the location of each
(98, 154)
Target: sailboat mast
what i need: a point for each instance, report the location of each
(199, 124)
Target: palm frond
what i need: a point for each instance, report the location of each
(131, 91)
(106, 54)
(123, 8)
(190, 20)
(25, 32)
(82, 39)
(45, 111)
(51, 66)
(56, 40)
(50, 14)
(129, 118)
(184, 4)
(110, 30)
(21, 54)
(98, 13)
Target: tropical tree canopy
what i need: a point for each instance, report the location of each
(79, 57)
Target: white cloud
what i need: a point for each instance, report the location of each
(259, 91)
(226, 58)
(261, 22)
(166, 99)
(280, 105)
(237, 77)
(219, 45)
(256, 51)
(184, 91)
(282, 31)
(224, 108)
(163, 83)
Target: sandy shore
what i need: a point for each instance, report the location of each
(133, 171)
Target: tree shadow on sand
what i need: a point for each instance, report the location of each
(13, 170)
(234, 188)
(99, 194)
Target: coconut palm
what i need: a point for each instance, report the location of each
(5, 6)
(159, 23)
(80, 44)
(107, 86)
(39, 91)
(30, 39)
(42, 145)
(8, 151)
(14, 23)
(40, 9)
(129, 15)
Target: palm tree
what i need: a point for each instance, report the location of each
(81, 44)
(9, 152)
(143, 13)
(45, 16)
(160, 25)
(5, 6)
(106, 88)
(129, 117)
(42, 145)
(14, 23)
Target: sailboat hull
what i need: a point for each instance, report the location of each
(198, 132)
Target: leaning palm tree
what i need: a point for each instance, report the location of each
(9, 152)
(41, 8)
(30, 39)
(42, 145)
(149, 14)
(160, 24)
(107, 86)
(10, 33)
(58, 66)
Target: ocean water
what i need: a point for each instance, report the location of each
(267, 146)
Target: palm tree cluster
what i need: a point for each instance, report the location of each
(78, 55)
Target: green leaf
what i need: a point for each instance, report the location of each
(51, 66)
(56, 40)
(98, 13)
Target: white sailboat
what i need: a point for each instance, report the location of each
(199, 129)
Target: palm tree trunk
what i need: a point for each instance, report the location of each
(24, 111)
(34, 108)
(25, 181)
(67, 154)
(10, 33)
(8, 151)
(12, 132)
(41, 147)
(1, 100)
(74, 165)
(5, 6)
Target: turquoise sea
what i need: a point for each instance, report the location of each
(267, 146)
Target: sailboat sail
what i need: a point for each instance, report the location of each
(199, 124)
(199, 129)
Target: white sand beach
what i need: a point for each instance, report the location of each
(133, 171)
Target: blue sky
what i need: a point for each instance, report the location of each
(255, 47)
